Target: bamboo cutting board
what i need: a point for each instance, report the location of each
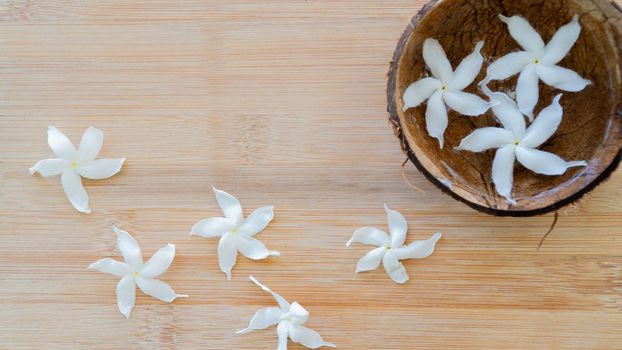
(279, 103)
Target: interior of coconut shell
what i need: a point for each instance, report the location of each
(591, 128)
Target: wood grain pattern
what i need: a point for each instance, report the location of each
(278, 102)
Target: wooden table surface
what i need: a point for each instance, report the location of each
(280, 103)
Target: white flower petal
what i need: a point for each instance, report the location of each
(111, 266)
(486, 138)
(420, 91)
(561, 78)
(394, 268)
(544, 125)
(75, 192)
(283, 304)
(49, 167)
(230, 206)
(562, 42)
(468, 69)
(281, 331)
(100, 168)
(307, 337)
(126, 295)
(296, 313)
(252, 248)
(544, 162)
(524, 34)
(417, 249)
(91, 143)
(257, 221)
(369, 235)
(371, 260)
(527, 90)
(466, 103)
(506, 111)
(436, 117)
(129, 248)
(435, 58)
(60, 144)
(508, 65)
(262, 319)
(212, 227)
(227, 253)
(159, 262)
(503, 171)
(397, 227)
(157, 289)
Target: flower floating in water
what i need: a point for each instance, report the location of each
(72, 164)
(236, 234)
(516, 142)
(391, 248)
(445, 88)
(290, 319)
(133, 273)
(537, 62)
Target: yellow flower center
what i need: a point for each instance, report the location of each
(516, 143)
(536, 61)
(135, 273)
(444, 88)
(74, 165)
(235, 230)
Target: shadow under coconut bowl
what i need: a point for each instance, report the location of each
(591, 127)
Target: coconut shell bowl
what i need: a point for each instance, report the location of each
(591, 126)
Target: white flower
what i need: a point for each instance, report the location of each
(537, 62)
(290, 319)
(72, 164)
(445, 88)
(133, 272)
(391, 249)
(514, 142)
(236, 234)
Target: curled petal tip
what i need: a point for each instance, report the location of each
(575, 18)
(182, 296)
(348, 243)
(479, 45)
(87, 211)
(274, 253)
(32, 171)
(510, 200)
(504, 18)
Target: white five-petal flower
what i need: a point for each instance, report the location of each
(445, 88)
(133, 272)
(236, 233)
(290, 319)
(537, 62)
(516, 142)
(73, 164)
(391, 248)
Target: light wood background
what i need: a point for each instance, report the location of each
(282, 103)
